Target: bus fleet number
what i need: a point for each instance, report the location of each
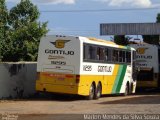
(58, 62)
(87, 68)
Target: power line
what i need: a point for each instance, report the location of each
(72, 30)
(100, 10)
(75, 31)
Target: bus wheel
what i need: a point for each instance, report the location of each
(91, 92)
(126, 90)
(98, 91)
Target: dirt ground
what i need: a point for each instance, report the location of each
(46, 108)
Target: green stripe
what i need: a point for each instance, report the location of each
(127, 47)
(119, 79)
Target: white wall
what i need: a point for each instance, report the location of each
(17, 77)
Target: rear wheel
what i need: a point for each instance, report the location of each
(126, 90)
(98, 91)
(91, 92)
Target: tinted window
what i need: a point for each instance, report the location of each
(128, 57)
(100, 53)
(92, 53)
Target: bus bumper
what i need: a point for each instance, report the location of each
(62, 89)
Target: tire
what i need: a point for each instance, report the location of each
(126, 90)
(91, 92)
(98, 91)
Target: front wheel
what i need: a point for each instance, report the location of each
(126, 90)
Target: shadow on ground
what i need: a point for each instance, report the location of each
(142, 99)
(52, 117)
(52, 97)
(144, 96)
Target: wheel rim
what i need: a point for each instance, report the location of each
(126, 91)
(98, 91)
(91, 91)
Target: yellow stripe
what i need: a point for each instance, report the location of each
(120, 46)
(111, 80)
(104, 41)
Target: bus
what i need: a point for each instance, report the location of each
(148, 63)
(84, 66)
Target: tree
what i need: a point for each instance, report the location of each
(152, 39)
(158, 18)
(121, 40)
(25, 32)
(3, 25)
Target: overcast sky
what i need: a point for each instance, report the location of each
(87, 23)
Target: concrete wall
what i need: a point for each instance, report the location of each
(17, 79)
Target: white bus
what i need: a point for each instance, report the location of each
(148, 62)
(84, 66)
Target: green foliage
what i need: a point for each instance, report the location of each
(24, 33)
(3, 25)
(158, 18)
(152, 39)
(23, 14)
(121, 40)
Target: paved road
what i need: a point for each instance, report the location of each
(55, 107)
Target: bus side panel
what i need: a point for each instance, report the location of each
(111, 84)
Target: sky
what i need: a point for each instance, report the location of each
(67, 17)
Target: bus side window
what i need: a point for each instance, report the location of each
(120, 56)
(115, 55)
(92, 51)
(128, 57)
(106, 54)
(124, 56)
(85, 52)
(100, 53)
(109, 55)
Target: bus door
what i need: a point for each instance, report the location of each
(134, 68)
(134, 71)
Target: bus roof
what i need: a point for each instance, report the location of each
(100, 41)
(103, 41)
